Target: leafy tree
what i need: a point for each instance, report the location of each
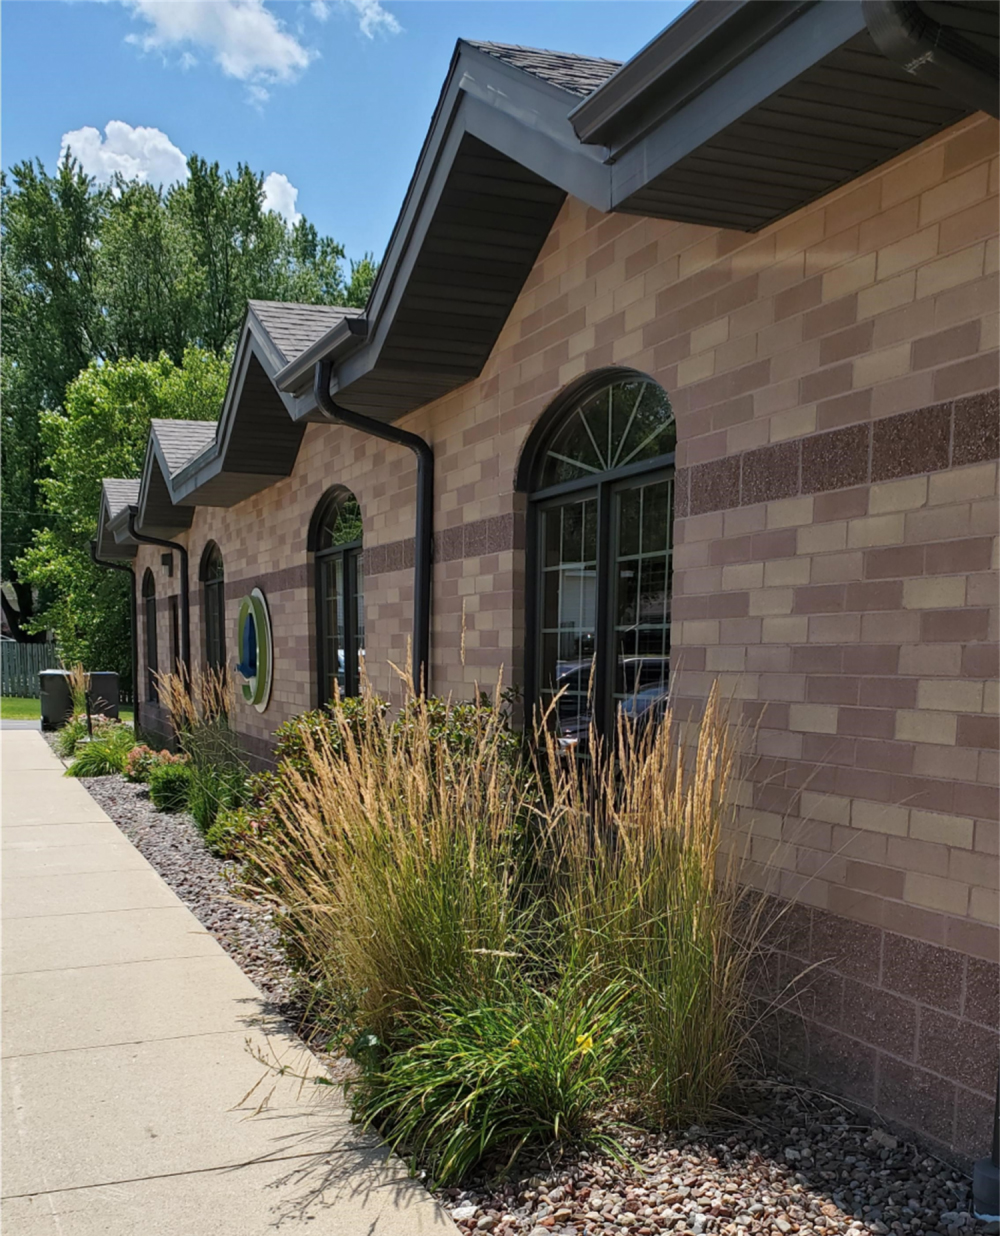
(92, 273)
(102, 432)
(49, 330)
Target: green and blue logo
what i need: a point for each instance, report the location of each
(253, 639)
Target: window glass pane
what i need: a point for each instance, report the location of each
(215, 636)
(622, 424)
(340, 523)
(152, 658)
(330, 581)
(358, 655)
(569, 610)
(339, 594)
(641, 611)
(175, 649)
(213, 566)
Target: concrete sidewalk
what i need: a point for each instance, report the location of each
(125, 1061)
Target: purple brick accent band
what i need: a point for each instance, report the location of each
(946, 435)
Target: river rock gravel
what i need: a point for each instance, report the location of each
(793, 1162)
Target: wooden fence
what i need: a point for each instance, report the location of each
(20, 665)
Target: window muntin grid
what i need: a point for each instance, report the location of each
(339, 596)
(604, 523)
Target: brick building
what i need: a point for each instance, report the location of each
(705, 350)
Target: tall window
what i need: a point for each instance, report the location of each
(335, 540)
(149, 622)
(600, 477)
(214, 605)
(175, 634)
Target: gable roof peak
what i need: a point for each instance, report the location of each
(292, 327)
(569, 71)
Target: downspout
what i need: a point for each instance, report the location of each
(423, 532)
(142, 539)
(121, 566)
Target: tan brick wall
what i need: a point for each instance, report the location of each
(874, 684)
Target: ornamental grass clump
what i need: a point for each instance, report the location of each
(520, 945)
(105, 753)
(199, 707)
(646, 894)
(395, 860)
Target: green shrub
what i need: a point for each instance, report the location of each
(479, 1084)
(104, 754)
(346, 718)
(141, 761)
(231, 829)
(169, 785)
(69, 735)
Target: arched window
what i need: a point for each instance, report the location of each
(335, 540)
(213, 579)
(599, 472)
(149, 621)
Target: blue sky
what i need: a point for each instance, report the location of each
(332, 96)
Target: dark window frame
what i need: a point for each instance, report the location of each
(213, 580)
(604, 487)
(349, 555)
(152, 642)
(175, 633)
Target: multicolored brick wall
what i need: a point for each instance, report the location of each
(834, 382)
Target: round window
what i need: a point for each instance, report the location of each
(253, 639)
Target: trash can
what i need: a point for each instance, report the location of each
(55, 698)
(104, 695)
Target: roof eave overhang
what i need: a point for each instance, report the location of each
(199, 482)
(295, 377)
(157, 511)
(701, 108)
(713, 37)
(517, 115)
(935, 52)
(110, 544)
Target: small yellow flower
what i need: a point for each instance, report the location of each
(515, 1042)
(585, 1042)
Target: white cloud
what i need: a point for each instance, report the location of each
(373, 18)
(280, 195)
(320, 9)
(247, 41)
(137, 153)
(148, 155)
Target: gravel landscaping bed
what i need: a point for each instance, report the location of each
(794, 1161)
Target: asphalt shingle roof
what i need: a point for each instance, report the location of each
(181, 441)
(120, 494)
(293, 328)
(579, 75)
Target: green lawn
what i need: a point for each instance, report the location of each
(17, 708)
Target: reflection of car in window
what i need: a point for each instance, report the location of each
(641, 693)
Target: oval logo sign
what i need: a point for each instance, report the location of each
(253, 639)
